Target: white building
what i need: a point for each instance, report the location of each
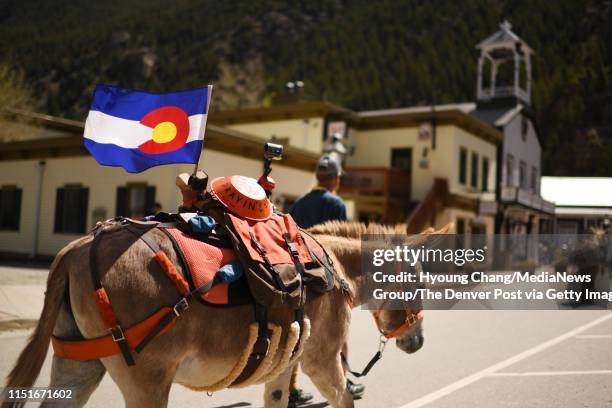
(52, 191)
(581, 202)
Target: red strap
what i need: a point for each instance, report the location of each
(106, 310)
(175, 276)
(93, 349)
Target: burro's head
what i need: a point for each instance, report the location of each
(405, 326)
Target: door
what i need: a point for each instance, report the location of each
(401, 159)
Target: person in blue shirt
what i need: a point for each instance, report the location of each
(319, 205)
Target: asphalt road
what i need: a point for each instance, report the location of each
(470, 359)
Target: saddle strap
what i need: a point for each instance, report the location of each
(106, 346)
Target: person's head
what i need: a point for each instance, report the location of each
(156, 208)
(328, 173)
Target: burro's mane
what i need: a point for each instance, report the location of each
(355, 230)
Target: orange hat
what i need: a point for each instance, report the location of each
(243, 196)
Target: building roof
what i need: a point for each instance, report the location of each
(299, 110)
(464, 107)
(455, 114)
(578, 191)
(504, 37)
(499, 117)
(70, 143)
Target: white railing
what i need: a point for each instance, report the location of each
(501, 91)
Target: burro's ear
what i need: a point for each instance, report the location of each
(445, 229)
(427, 231)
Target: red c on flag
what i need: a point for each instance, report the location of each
(170, 126)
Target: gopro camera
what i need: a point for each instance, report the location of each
(273, 151)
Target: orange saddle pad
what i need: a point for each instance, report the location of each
(203, 261)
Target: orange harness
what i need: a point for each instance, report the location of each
(411, 319)
(136, 337)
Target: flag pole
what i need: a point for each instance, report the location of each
(208, 98)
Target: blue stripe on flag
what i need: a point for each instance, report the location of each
(133, 105)
(135, 161)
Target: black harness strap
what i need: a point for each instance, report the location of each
(299, 313)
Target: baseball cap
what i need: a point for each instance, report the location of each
(328, 168)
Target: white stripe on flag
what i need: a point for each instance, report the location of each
(130, 134)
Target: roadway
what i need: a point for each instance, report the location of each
(470, 359)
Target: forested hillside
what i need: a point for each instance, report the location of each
(361, 53)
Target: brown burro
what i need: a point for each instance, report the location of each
(206, 342)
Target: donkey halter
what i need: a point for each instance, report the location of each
(410, 320)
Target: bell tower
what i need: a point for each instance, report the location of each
(504, 68)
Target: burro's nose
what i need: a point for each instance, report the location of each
(411, 344)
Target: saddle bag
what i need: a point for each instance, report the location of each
(277, 262)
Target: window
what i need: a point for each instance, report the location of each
(401, 159)
(485, 174)
(509, 170)
(524, 128)
(523, 175)
(10, 208)
(135, 200)
(460, 226)
(534, 179)
(474, 178)
(71, 209)
(462, 165)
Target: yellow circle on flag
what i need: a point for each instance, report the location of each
(164, 132)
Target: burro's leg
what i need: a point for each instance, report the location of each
(78, 378)
(146, 384)
(277, 391)
(327, 374)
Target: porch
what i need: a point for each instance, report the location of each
(380, 194)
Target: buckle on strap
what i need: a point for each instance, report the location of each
(292, 247)
(382, 343)
(411, 319)
(117, 334)
(180, 306)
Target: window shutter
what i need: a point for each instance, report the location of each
(16, 210)
(121, 205)
(83, 201)
(149, 199)
(3, 215)
(59, 210)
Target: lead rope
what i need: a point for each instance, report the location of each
(381, 348)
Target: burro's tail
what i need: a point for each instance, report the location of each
(32, 357)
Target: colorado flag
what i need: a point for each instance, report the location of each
(137, 130)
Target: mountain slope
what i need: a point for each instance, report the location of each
(362, 54)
